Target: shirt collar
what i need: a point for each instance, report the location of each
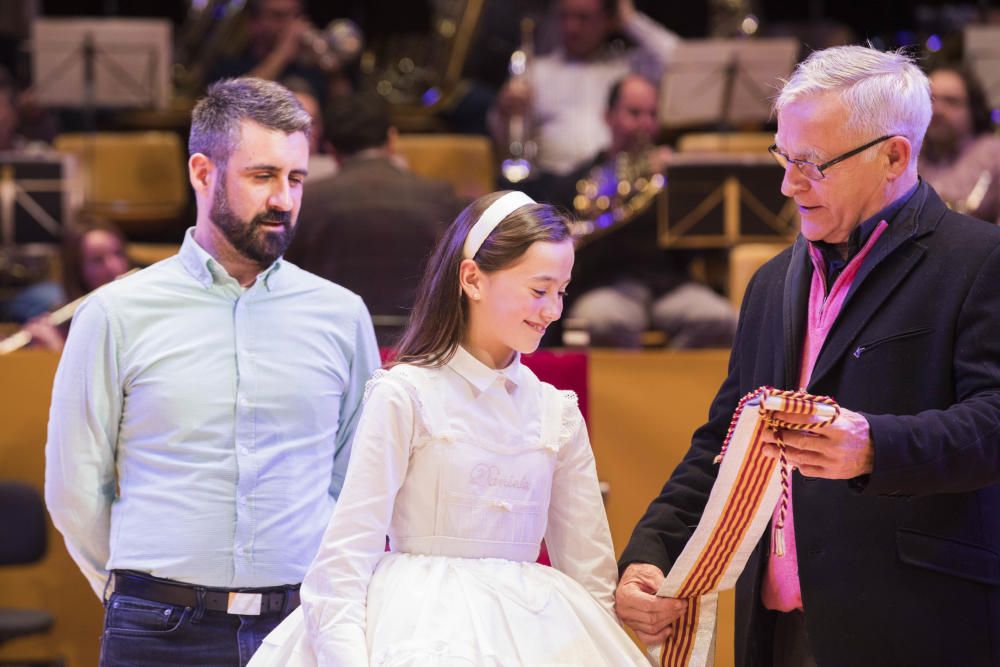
(207, 271)
(859, 237)
(482, 376)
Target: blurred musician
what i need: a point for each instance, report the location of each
(93, 253)
(278, 38)
(321, 162)
(630, 286)
(564, 92)
(961, 155)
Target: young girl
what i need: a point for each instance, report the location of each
(466, 461)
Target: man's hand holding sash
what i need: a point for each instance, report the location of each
(749, 485)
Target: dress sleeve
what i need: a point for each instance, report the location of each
(335, 587)
(578, 537)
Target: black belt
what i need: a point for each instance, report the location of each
(236, 601)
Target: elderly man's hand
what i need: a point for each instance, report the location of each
(841, 450)
(639, 608)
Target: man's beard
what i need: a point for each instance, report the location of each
(941, 141)
(247, 237)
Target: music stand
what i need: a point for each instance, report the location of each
(724, 82)
(37, 194)
(112, 63)
(982, 53)
(718, 201)
(36, 197)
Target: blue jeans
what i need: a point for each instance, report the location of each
(144, 633)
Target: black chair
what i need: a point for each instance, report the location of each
(22, 542)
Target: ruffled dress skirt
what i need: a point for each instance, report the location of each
(437, 611)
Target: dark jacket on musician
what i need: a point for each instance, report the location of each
(371, 228)
(902, 566)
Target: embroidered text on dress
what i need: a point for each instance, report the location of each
(485, 475)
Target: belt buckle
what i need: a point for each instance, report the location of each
(244, 604)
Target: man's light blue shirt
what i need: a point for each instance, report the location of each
(200, 431)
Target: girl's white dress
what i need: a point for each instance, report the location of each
(465, 469)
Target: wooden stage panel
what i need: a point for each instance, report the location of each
(644, 407)
(55, 584)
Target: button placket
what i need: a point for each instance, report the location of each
(245, 436)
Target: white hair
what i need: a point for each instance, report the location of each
(884, 92)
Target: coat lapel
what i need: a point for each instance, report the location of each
(794, 305)
(893, 257)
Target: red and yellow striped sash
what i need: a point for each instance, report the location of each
(738, 511)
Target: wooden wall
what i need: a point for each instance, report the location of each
(644, 406)
(55, 584)
(643, 409)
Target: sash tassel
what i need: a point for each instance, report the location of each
(747, 488)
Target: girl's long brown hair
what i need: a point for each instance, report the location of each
(441, 312)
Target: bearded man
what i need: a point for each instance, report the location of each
(961, 154)
(203, 410)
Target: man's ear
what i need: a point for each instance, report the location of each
(898, 151)
(201, 172)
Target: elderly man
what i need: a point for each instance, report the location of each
(961, 156)
(204, 408)
(888, 302)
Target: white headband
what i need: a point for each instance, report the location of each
(490, 218)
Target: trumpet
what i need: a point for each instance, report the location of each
(975, 198)
(521, 146)
(329, 49)
(56, 318)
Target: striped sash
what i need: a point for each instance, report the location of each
(739, 509)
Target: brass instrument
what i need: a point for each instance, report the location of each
(614, 193)
(521, 147)
(338, 44)
(213, 27)
(420, 75)
(55, 318)
(976, 195)
(732, 18)
(208, 31)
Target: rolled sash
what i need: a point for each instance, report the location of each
(739, 508)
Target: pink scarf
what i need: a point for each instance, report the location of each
(781, 591)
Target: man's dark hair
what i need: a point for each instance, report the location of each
(616, 89)
(8, 87)
(353, 123)
(216, 119)
(979, 108)
(253, 7)
(299, 86)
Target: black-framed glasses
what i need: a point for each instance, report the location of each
(815, 172)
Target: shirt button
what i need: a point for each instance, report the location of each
(244, 402)
(245, 451)
(243, 500)
(241, 550)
